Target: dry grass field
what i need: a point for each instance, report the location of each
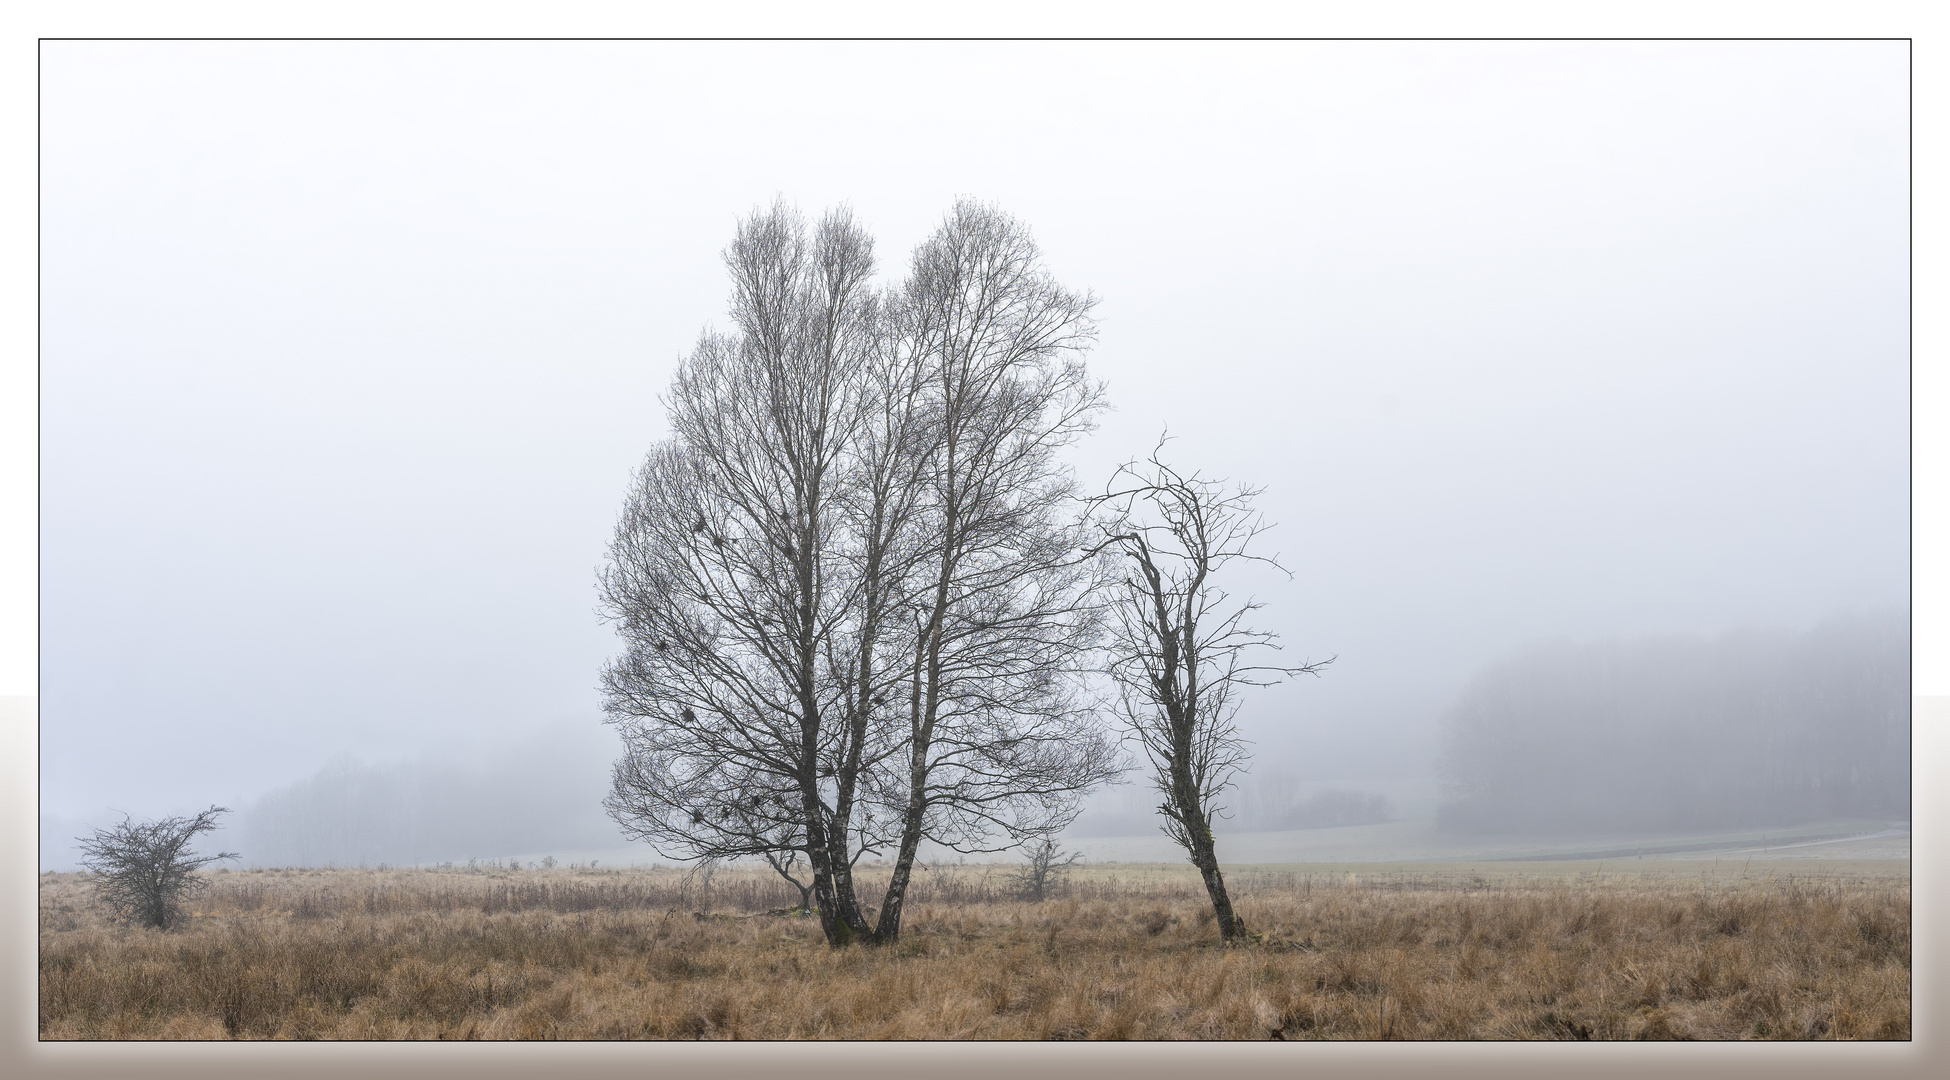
(1669, 951)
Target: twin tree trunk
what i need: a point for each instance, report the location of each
(848, 460)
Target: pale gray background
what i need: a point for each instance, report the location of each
(348, 350)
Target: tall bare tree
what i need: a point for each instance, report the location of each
(849, 585)
(1180, 649)
(1002, 738)
(723, 576)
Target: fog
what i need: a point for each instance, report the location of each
(348, 350)
(1672, 733)
(526, 798)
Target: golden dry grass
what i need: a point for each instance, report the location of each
(1128, 953)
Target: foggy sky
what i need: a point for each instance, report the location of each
(348, 350)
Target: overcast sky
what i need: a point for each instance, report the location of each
(348, 350)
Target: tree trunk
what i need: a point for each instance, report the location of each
(915, 816)
(805, 892)
(847, 901)
(839, 908)
(846, 780)
(830, 922)
(1231, 927)
(889, 929)
(784, 870)
(1196, 822)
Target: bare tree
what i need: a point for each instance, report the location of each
(1044, 871)
(725, 575)
(144, 872)
(1180, 646)
(1001, 737)
(849, 586)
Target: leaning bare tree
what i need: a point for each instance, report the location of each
(1180, 651)
(144, 871)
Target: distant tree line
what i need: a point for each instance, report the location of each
(1334, 809)
(1264, 800)
(1272, 799)
(352, 813)
(1750, 729)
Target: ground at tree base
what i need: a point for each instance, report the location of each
(1656, 950)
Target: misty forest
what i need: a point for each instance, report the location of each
(969, 656)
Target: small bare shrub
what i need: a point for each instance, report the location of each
(1044, 872)
(144, 871)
